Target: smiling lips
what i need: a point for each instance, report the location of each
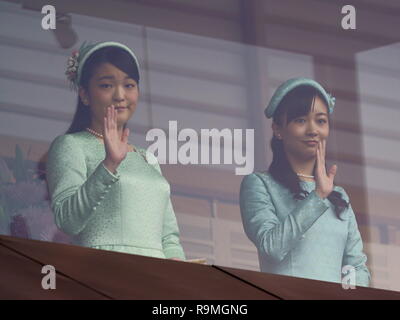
(119, 108)
(311, 143)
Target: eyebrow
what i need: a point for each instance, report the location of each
(111, 78)
(317, 115)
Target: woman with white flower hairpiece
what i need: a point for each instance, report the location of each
(106, 192)
(301, 223)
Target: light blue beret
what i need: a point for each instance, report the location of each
(289, 85)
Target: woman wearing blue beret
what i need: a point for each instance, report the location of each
(302, 223)
(105, 192)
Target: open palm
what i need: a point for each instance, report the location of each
(323, 180)
(116, 146)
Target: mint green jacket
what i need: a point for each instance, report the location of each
(129, 211)
(301, 238)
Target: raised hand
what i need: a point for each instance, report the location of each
(116, 146)
(323, 180)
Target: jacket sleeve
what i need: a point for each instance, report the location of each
(74, 196)
(353, 254)
(170, 235)
(272, 236)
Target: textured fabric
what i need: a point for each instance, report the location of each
(301, 238)
(288, 86)
(129, 211)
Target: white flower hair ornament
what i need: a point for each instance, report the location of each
(72, 68)
(75, 63)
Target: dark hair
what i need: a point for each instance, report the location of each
(296, 103)
(116, 56)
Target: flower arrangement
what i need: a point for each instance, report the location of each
(24, 202)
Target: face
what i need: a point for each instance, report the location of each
(109, 85)
(298, 134)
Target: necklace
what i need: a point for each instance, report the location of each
(304, 175)
(95, 133)
(98, 135)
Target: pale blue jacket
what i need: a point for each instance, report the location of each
(300, 238)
